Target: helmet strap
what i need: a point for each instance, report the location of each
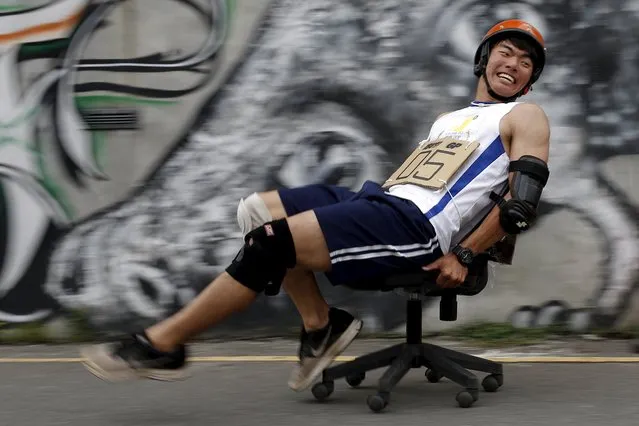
(494, 94)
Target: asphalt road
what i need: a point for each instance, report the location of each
(46, 385)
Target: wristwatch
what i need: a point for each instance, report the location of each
(464, 255)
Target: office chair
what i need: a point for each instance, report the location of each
(413, 353)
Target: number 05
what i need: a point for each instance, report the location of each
(426, 165)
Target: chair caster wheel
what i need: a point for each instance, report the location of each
(433, 376)
(323, 390)
(492, 382)
(466, 398)
(377, 402)
(356, 379)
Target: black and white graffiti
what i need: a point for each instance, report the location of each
(52, 108)
(339, 91)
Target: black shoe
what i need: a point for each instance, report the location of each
(134, 358)
(319, 348)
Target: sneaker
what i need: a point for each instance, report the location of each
(134, 358)
(319, 348)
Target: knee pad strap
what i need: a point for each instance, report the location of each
(262, 262)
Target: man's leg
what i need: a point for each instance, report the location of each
(321, 323)
(159, 352)
(299, 283)
(225, 295)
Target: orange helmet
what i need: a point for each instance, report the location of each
(504, 29)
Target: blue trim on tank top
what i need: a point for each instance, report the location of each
(492, 153)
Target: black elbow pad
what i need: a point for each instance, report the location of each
(530, 175)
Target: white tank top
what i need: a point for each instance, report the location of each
(464, 201)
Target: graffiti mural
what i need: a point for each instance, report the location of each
(58, 107)
(328, 91)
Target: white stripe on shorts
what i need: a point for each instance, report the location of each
(384, 250)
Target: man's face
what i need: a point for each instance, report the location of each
(509, 68)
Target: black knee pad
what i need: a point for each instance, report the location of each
(262, 262)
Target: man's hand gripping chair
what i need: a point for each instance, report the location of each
(413, 353)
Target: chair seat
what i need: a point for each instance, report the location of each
(424, 282)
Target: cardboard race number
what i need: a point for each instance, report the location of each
(432, 164)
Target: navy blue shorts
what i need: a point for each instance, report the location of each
(370, 234)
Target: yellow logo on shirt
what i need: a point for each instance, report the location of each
(465, 123)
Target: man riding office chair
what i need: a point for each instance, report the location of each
(438, 212)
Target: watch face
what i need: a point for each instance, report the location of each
(465, 255)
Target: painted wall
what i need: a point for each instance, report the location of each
(129, 130)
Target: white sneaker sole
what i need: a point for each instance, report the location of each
(327, 359)
(128, 374)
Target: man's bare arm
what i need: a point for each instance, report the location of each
(530, 136)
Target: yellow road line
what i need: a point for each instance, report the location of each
(275, 358)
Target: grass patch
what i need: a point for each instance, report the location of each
(29, 333)
(624, 333)
(502, 334)
(77, 330)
